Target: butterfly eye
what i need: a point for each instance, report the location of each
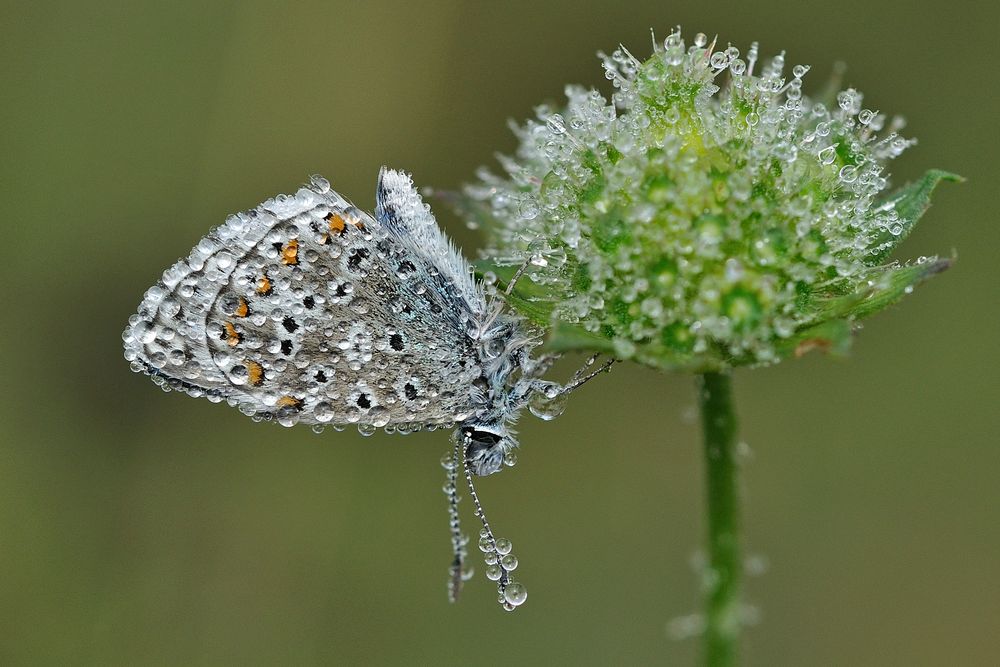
(483, 452)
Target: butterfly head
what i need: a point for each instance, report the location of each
(486, 446)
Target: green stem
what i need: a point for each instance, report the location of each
(722, 578)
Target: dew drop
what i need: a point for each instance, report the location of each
(321, 185)
(848, 173)
(547, 408)
(528, 209)
(515, 593)
(556, 124)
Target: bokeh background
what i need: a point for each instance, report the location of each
(138, 528)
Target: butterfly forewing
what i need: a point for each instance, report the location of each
(308, 309)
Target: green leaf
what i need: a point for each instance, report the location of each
(837, 307)
(887, 285)
(566, 338)
(528, 298)
(911, 202)
(893, 283)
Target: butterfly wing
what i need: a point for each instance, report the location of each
(308, 309)
(409, 220)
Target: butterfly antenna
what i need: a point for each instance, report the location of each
(500, 562)
(458, 541)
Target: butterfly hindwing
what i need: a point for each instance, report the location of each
(308, 309)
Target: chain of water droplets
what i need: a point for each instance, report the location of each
(457, 573)
(500, 562)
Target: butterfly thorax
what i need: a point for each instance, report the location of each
(503, 348)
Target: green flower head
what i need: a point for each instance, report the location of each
(709, 215)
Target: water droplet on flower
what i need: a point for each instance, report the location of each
(848, 173)
(827, 155)
(528, 209)
(556, 124)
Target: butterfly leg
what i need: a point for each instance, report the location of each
(457, 573)
(531, 384)
(536, 368)
(517, 276)
(579, 379)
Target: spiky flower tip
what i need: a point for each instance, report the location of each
(710, 215)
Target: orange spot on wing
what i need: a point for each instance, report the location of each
(231, 334)
(289, 402)
(255, 373)
(242, 309)
(264, 285)
(338, 222)
(290, 253)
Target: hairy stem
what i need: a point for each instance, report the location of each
(722, 577)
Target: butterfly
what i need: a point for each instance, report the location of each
(307, 309)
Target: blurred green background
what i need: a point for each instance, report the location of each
(138, 528)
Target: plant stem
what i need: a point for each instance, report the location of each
(722, 578)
